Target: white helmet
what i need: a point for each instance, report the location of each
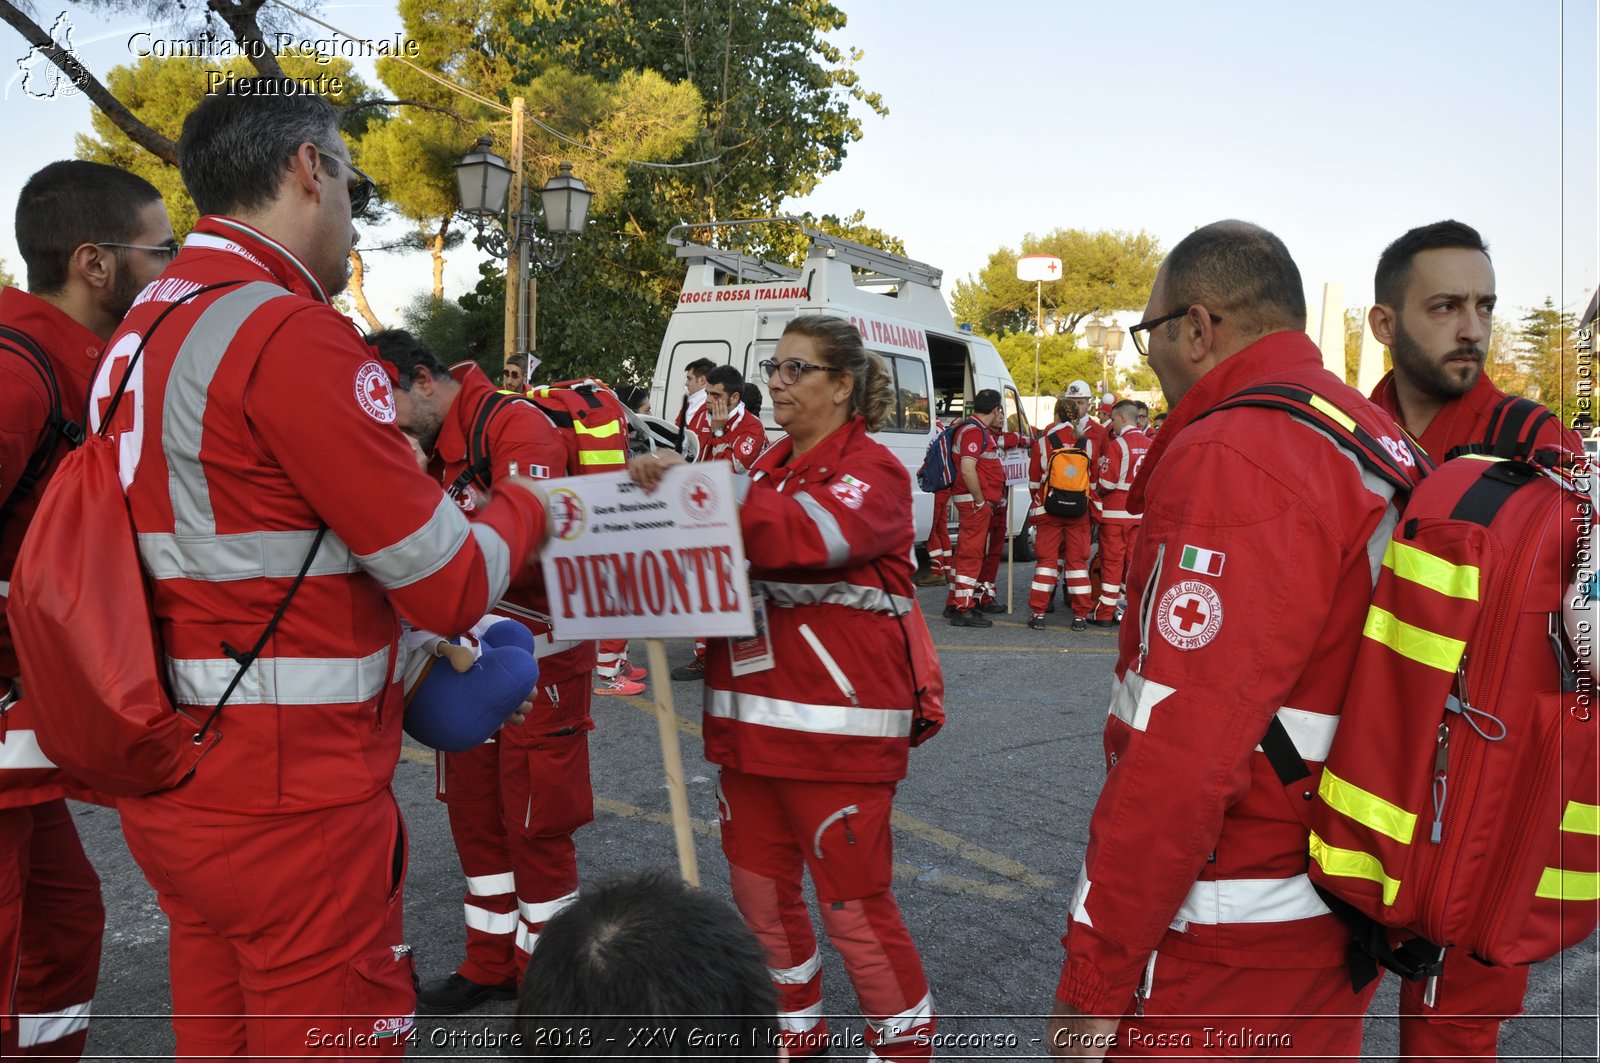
(1078, 389)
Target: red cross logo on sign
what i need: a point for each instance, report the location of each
(698, 497)
(1190, 614)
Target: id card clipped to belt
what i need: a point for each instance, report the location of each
(754, 654)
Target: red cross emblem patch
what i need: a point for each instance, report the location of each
(1190, 614)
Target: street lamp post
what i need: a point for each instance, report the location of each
(488, 185)
(1105, 339)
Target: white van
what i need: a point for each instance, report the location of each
(733, 308)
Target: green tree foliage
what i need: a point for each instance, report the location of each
(6, 279)
(1061, 361)
(1102, 272)
(1547, 342)
(161, 93)
(775, 117)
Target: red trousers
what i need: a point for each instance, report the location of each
(972, 541)
(1114, 540)
(1470, 1002)
(51, 920)
(994, 546)
(773, 830)
(514, 804)
(941, 557)
(611, 658)
(286, 934)
(1061, 546)
(1201, 1009)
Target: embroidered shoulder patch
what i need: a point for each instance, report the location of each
(374, 393)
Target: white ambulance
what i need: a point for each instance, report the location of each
(733, 308)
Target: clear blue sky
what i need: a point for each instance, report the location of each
(1337, 125)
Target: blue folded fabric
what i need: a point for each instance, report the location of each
(456, 711)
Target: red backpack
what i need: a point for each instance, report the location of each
(1459, 801)
(88, 648)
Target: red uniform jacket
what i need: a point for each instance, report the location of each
(257, 414)
(974, 440)
(1465, 419)
(519, 440)
(1119, 467)
(1250, 577)
(27, 776)
(742, 440)
(828, 536)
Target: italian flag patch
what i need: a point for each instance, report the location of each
(1205, 562)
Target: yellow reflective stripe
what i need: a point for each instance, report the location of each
(1580, 818)
(1482, 457)
(611, 428)
(602, 457)
(1320, 403)
(1348, 863)
(1415, 643)
(1558, 885)
(1367, 809)
(1435, 573)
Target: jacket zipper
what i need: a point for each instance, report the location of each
(1146, 985)
(840, 680)
(1147, 608)
(843, 814)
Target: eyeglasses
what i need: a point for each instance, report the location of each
(1139, 331)
(168, 250)
(790, 369)
(362, 192)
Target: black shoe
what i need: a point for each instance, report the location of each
(970, 618)
(949, 612)
(692, 672)
(1080, 624)
(994, 607)
(459, 994)
(1036, 621)
(1104, 623)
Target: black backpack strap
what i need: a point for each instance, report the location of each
(1494, 488)
(1514, 426)
(57, 427)
(1369, 946)
(480, 468)
(1312, 409)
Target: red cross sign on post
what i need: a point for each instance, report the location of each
(1038, 268)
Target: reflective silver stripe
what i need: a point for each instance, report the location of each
(486, 922)
(423, 552)
(185, 400)
(19, 751)
(850, 595)
(281, 680)
(961, 498)
(1080, 914)
(527, 940)
(799, 974)
(1046, 587)
(828, 527)
(544, 911)
(496, 560)
(245, 555)
(1120, 514)
(1133, 698)
(50, 1026)
(802, 1020)
(491, 885)
(1083, 572)
(812, 719)
(1252, 900)
(1312, 732)
(893, 1027)
(1378, 543)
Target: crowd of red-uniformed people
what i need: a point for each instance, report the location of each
(257, 416)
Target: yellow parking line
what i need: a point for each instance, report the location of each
(976, 854)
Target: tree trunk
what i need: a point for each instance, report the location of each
(137, 131)
(359, 294)
(438, 261)
(240, 15)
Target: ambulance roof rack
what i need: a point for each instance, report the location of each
(880, 267)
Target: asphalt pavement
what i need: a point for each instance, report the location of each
(989, 837)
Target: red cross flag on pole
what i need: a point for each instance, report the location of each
(1038, 268)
